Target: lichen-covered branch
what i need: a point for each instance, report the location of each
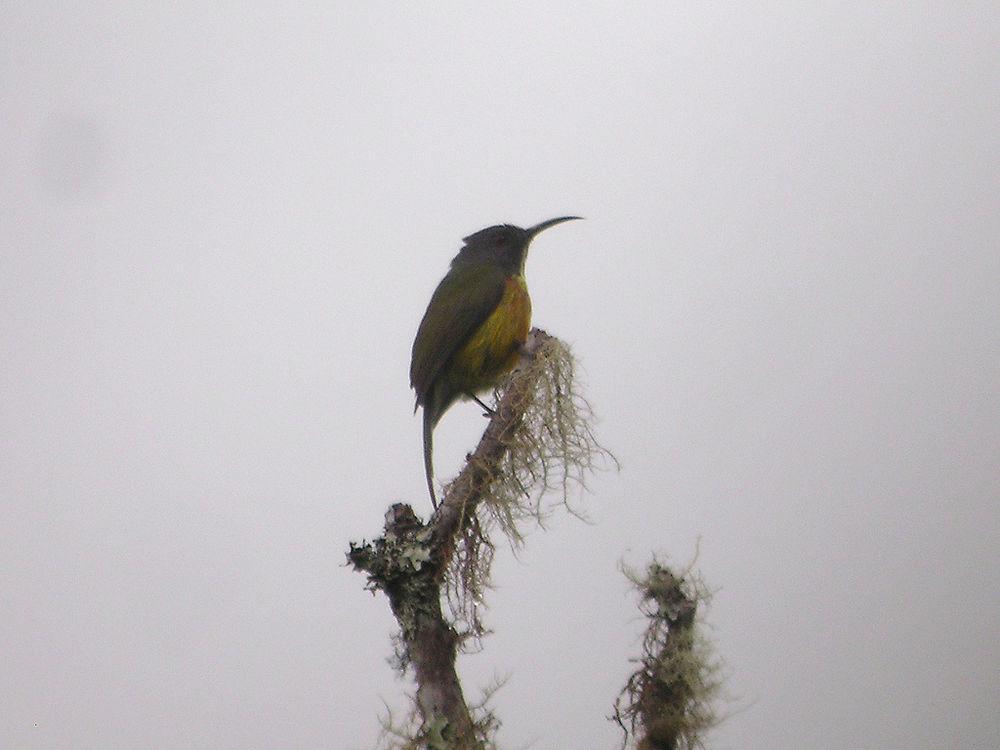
(402, 565)
(538, 436)
(667, 703)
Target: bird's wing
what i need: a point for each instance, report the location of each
(461, 303)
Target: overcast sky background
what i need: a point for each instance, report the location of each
(220, 226)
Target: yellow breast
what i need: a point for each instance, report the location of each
(493, 349)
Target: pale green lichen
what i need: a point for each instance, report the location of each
(551, 452)
(667, 704)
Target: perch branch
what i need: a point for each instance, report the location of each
(410, 560)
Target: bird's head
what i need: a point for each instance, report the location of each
(504, 244)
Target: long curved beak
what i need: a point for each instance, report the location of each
(550, 223)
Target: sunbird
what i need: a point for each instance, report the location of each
(475, 325)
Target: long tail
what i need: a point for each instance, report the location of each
(429, 451)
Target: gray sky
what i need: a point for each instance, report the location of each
(219, 228)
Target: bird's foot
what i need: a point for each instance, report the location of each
(489, 411)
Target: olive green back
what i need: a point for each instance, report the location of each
(461, 303)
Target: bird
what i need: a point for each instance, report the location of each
(474, 326)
